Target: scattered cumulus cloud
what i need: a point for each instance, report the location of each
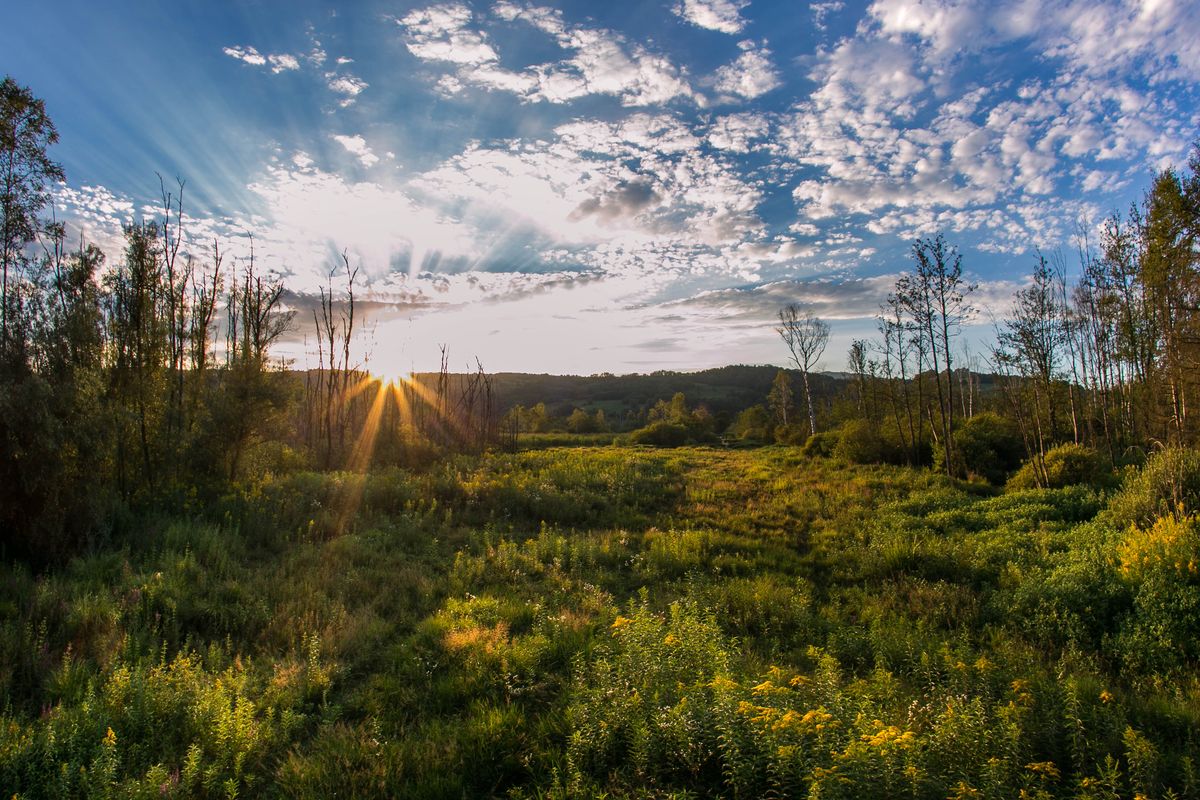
(346, 85)
(443, 33)
(716, 15)
(278, 62)
(751, 75)
(656, 178)
(599, 62)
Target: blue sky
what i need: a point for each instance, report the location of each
(622, 186)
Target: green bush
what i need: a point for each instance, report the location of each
(752, 424)
(1064, 465)
(986, 445)
(859, 442)
(660, 434)
(1168, 483)
(821, 444)
(792, 433)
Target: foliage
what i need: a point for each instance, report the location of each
(630, 622)
(987, 445)
(1168, 484)
(859, 442)
(753, 424)
(1064, 465)
(821, 444)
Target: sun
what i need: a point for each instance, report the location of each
(392, 377)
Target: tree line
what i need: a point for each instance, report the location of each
(150, 381)
(1107, 358)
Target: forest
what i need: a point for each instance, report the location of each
(934, 573)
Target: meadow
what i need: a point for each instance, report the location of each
(612, 621)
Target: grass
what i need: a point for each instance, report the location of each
(608, 621)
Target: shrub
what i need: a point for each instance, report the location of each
(860, 443)
(1168, 483)
(1160, 563)
(753, 423)
(1064, 465)
(821, 444)
(792, 433)
(986, 445)
(660, 434)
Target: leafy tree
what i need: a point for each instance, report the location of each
(754, 423)
(26, 170)
(580, 422)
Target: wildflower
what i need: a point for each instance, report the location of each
(671, 640)
(110, 738)
(763, 687)
(1106, 696)
(620, 622)
(888, 736)
(722, 682)
(1046, 768)
(790, 719)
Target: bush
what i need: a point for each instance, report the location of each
(1065, 465)
(660, 434)
(860, 443)
(793, 433)
(1160, 565)
(986, 445)
(1168, 483)
(821, 444)
(752, 424)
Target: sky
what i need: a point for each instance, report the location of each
(610, 187)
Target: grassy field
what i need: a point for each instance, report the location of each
(616, 622)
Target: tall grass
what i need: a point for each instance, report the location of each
(617, 622)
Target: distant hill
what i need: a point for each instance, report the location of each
(723, 390)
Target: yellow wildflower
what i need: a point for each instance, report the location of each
(721, 682)
(1046, 768)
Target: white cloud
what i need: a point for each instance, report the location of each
(310, 214)
(948, 26)
(357, 146)
(823, 11)
(247, 54)
(751, 75)
(600, 61)
(347, 85)
(279, 62)
(441, 33)
(716, 15)
(738, 133)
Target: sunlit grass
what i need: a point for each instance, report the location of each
(619, 621)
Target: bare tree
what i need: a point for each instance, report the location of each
(805, 336)
(935, 296)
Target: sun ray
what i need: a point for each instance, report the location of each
(361, 455)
